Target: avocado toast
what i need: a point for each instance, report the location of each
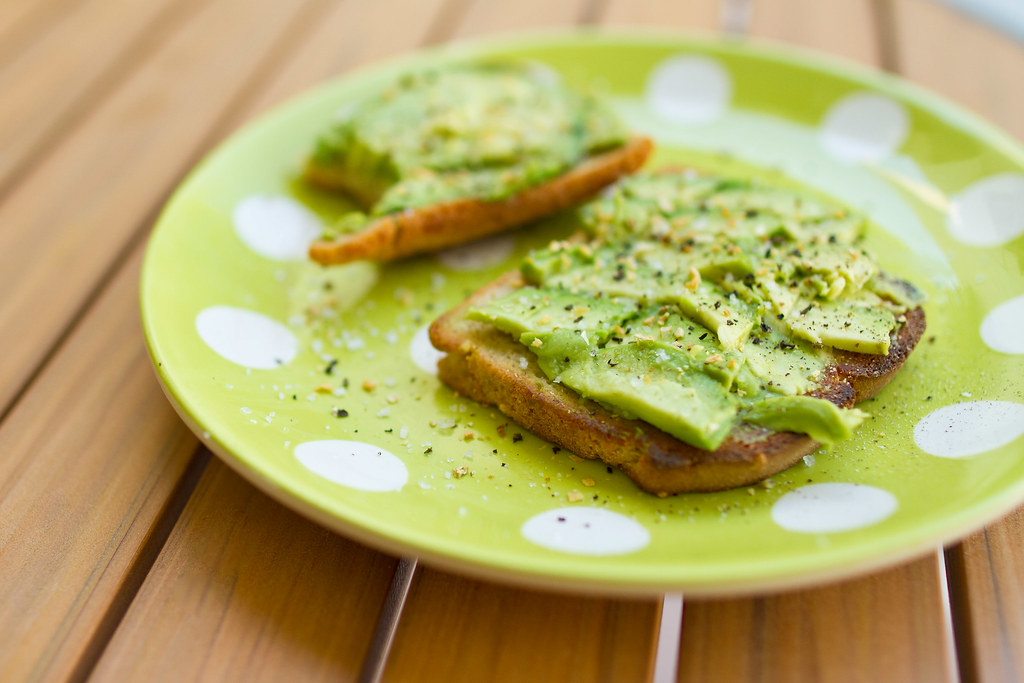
(703, 334)
(454, 154)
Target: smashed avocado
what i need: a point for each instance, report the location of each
(481, 131)
(699, 302)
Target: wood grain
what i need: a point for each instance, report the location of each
(691, 14)
(886, 627)
(86, 51)
(90, 461)
(970, 62)
(246, 590)
(77, 210)
(22, 22)
(456, 629)
(346, 37)
(987, 592)
(486, 17)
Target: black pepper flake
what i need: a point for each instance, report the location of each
(556, 449)
(764, 326)
(517, 437)
(561, 519)
(780, 316)
(703, 336)
(568, 307)
(340, 412)
(809, 307)
(566, 359)
(389, 430)
(429, 450)
(718, 304)
(329, 370)
(755, 340)
(609, 470)
(578, 319)
(611, 364)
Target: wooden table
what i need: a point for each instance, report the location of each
(127, 552)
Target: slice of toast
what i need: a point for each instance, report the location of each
(489, 366)
(444, 225)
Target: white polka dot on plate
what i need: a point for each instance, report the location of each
(278, 228)
(832, 507)
(586, 531)
(353, 464)
(423, 353)
(1003, 328)
(864, 126)
(989, 212)
(479, 255)
(247, 338)
(969, 428)
(689, 89)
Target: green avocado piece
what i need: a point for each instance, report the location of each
(484, 130)
(844, 324)
(642, 382)
(537, 310)
(822, 420)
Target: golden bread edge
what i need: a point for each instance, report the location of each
(445, 225)
(484, 363)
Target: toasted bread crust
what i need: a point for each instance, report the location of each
(445, 225)
(489, 366)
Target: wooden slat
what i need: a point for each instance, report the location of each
(987, 591)
(350, 35)
(89, 463)
(972, 63)
(843, 28)
(485, 17)
(86, 49)
(23, 21)
(246, 590)
(881, 628)
(691, 14)
(76, 211)
(456, 629)
(310, 613)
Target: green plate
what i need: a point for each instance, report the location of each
(317, 384)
